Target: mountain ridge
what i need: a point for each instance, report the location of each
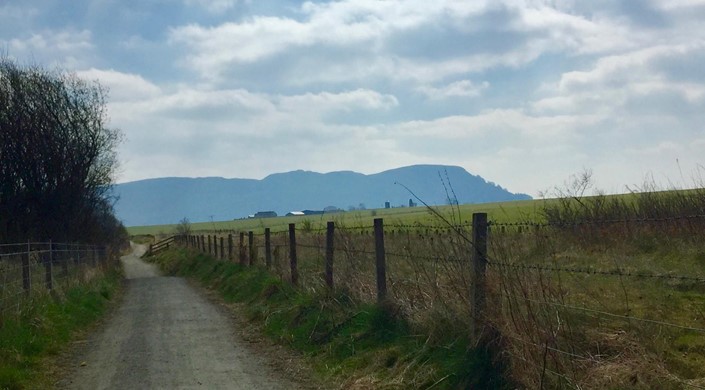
(167, 200)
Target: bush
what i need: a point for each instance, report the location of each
(57, 158)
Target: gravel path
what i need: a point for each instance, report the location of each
(167, 335)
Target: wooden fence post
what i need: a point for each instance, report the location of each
(48, 260)
(210, 250)
(381, 260)
(330, 229)
(222, 248)
(230, 246)
(251, 247)
(267, 248)
(479, 264)
(26, 278)
(215, 246)
(242, 248)
(292, 255)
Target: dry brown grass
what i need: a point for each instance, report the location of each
(566, 302)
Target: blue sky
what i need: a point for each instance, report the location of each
(523, 93)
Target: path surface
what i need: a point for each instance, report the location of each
(166, 335)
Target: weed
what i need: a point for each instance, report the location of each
(46, 324)
(345, 337)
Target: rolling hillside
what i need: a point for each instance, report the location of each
(167, 200)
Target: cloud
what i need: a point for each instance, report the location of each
(61, 41)
(384, 34)
(67, 48)
(524, 92)
(122, 86)
(462, 88)
(626, 81)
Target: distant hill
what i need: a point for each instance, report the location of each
(168, 200)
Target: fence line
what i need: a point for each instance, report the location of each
(428, 268)
(591, 271)
(247, 251)
(33, 268)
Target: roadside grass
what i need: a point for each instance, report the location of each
(354, 344)
(45, 323)
(610, 294)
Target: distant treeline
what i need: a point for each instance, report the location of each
(57, 158)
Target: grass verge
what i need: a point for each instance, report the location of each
(45, 324)
(353, 344)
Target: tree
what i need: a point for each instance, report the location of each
(184, 227)
(57, 157)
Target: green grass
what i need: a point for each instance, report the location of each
(503, 211)
(616, 352)
(511, 211)
(47, 323)
(533, 310)
(347, 341)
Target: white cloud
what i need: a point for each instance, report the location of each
(645, 82)
(368, 26)
(462, 88)
(122, 86)
(231, 43)
(67, 48)
(345, 101)
(524, 92)
(61, 41)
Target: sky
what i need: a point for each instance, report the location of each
(523, 93)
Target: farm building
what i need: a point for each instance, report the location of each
(295, 213)
(265, 214)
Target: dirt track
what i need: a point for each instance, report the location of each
(165, 334)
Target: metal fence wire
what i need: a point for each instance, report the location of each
(30, 269)
(569, 300)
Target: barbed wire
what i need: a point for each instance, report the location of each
(519, 223)
(310, 246)
(566, 353)
(430, 258)
(592, 271)
(573, 355)
(604, 313)
(429, 227)
(597, 222)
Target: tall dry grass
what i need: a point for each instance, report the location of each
(607, 292)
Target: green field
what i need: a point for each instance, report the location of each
(499, 211)
(589, 292)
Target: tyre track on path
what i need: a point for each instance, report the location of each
(165, 335)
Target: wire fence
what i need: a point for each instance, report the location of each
(572, 304)
(32, 269)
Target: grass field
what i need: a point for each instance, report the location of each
(584, 292)
(503, 211)
(31, 338)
